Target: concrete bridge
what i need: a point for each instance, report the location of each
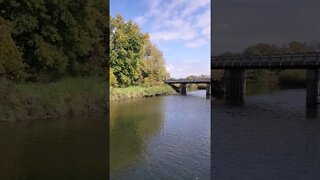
(183, 84)
(235, 71)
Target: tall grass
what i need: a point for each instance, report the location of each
(139, 91)
(69, 96)
(292, 78)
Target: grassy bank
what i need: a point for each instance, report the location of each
(293, 78)
(39, 100)
(139, 91)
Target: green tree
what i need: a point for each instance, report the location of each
(126, 50)
(113, 80)
(11, 63)
(153, 65)
(59, 37)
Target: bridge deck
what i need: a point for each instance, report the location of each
(187, 81)
(278, 61)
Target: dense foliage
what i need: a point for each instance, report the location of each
(134, 60)
(11, 63)
(55, 38)
(292, 47)
(286, 48)
(195, 77)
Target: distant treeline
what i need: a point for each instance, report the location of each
(268, 49)
(195, 77)
(134, 60)
(41, 40)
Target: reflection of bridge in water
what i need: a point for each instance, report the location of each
(183, 84)
(235, 71)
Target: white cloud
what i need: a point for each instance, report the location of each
(140, 20)
(194, 5)
(178, 20)
(196, 43)
(170, 67)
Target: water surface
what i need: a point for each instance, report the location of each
(271, 136)
(54, 149)
(165, 137)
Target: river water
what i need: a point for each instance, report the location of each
(164, 137)
(54, 149)
(271, 136)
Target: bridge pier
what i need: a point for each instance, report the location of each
(183, 89)
(208, 90)
(312, 86)
(235, 85)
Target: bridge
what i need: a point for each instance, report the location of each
(183, 84)
(276, 61)
(235, 74)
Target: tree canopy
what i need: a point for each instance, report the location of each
(268, 49)
(133, 58)
(58, 37)
(11, 63)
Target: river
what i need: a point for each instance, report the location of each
(165, 137)
(271, 136)
(54, 149)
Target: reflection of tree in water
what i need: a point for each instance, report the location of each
(132, 123)
(64, 148)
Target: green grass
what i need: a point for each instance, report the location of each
(139, 91)
(20, 101)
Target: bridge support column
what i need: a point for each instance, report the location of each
(208, 90)
(312, 86)
(183, 89)
(235, 85)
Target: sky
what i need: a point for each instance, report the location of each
(237, 24)
(179, 28)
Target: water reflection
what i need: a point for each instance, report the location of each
(165, 137)
(272, 136)
(259, 87)
(133, 123)
(312, 112)
(64, 148)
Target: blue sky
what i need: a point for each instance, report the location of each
(180, 29)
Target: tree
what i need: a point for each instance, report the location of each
(113, 80)
(11, 63)
(126, 50)
(261, 49)
(133, 58)
(153, 65)
(59, 37)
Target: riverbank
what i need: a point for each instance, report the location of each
(289, 78)
(139, 91)
(21, 101)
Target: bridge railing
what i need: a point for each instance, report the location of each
(311, 58)
(178, 81)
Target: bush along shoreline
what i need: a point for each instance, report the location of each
(139, 92)
(70, 96)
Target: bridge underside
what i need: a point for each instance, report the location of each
(235, 86)
(235, 74)
(182, 88)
